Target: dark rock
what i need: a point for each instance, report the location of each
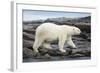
(69, 51)
(77, 55)
(54, 52)
(27, 43)
(43, 51)
(25, 27)
(35, 25)
(39, 56)
(30, 47)
(89, 39)
(85, 27)
(35, 54)
(28, 36)
(86, 36)
(30, 31)
(87, 53)
(47, 56)
(83, 35)
(27, 53)
(82, 52)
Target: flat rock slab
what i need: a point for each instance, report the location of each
(49, 54)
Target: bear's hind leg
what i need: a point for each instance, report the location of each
(37, 44)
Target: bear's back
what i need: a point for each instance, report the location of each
(48, 27)
(48, 30)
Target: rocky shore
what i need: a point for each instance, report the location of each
(83, 43)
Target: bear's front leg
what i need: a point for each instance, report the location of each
(70, 43)
(61, 43)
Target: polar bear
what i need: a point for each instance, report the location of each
(50, 31)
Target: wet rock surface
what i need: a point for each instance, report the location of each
(82, 52)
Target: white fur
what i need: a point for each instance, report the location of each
(51, 31)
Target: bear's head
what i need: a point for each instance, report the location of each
(71, 30)
(76, 31)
